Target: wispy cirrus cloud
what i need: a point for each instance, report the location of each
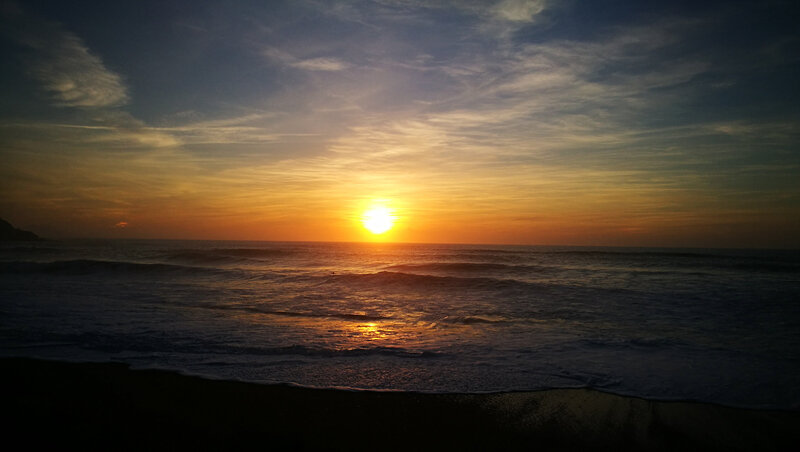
(67, 70)
(542, 97)
(73, 76)
(328, 64)
(321, 64)
(518, 10)
(110, 130)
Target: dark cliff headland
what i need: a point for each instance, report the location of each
(9, 232)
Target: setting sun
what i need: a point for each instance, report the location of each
(378, 220)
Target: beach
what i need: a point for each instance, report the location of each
(52, 403)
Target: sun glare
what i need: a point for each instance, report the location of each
(378, 220)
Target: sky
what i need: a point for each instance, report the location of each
(618, 123)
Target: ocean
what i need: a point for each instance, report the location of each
(720, 326)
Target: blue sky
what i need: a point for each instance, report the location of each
(601, 123)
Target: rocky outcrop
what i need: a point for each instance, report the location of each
(8, 232)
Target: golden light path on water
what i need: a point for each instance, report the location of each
(370, 332)
(343, 335)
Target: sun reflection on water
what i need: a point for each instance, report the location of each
(370, 331)
(334, 333)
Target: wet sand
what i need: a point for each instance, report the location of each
(56, 404)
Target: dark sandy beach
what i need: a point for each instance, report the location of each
(108, 405)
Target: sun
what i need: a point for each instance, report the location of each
(378, 220)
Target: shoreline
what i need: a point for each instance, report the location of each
(110, 405)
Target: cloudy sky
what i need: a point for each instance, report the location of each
(634, 123)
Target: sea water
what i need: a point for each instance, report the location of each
(718, 326)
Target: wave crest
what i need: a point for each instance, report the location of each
(90, 266)
(466, 267)
(405, 280)
(315, 315)
(352, 352)
(225, 255)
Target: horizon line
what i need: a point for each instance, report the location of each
(44, 239)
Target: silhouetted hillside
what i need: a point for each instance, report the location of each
(8, 232)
